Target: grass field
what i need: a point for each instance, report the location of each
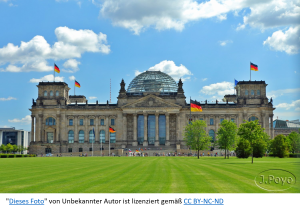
(139, 174)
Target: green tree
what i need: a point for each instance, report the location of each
(279, 146)
(243, 149)
(252, 132)
(9, 148)
(227, 136)
(196, 137)
(15, 148)
(294, 142)
(261, 146)
(3, 148)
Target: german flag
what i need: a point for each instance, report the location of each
(77, 84)
(136, 150)
(111, 130)
(56, 68)
(195, 106)
(253, 67)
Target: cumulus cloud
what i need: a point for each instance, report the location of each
(204, 79)
(224, 43)
(218, 89)
(72, 78)
(7, 99)
(71, 64)
(288, 41)
(47, 78)
(171, 69)
(92, 97)
(25, 120)
(33, 55)
(294, 104)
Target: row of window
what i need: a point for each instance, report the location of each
(252, 92)
(81, 149)
(51, 121)
(112, 122)
(51, 93)
(211, 120)
(112, 137)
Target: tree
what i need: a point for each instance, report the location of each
(3, 148)
(260, 147)
(243, 149)
(279, 146)
(15, 148)
(196, 137)
(227, 135)
(252, 132)
(294, 142)
(9, 148)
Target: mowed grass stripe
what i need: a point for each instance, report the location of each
(137, 174)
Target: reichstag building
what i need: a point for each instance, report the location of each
(151, 112)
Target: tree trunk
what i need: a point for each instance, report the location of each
(198, 154)
(225, 152)
(252, 155)
(228, 154)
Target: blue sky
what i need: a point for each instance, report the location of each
(206, 43)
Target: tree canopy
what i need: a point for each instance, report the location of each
(196, 137)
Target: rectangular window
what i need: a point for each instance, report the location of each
(80, 150)
(221, 120)
(102, 122)
(252, 92)
(258, 92)
(81, 122)
(200, 118)
(112, 122)
(91, 149)
(91, 121)
(70, 121)
(232, 119)
(246, 92)
(211, 121)
(70, 150)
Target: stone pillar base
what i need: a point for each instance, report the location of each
(156, 143)
(145, 143)
(177, 146)
(134, 144)
(167, 143)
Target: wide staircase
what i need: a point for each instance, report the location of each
(151, 150)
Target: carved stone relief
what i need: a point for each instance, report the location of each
(172, 126)
(129, 127)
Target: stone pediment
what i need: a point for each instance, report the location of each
(151, 101)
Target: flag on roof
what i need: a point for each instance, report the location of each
(253, 67)
(195, 106)
(56, 68)
(236, 82)
(77, 84)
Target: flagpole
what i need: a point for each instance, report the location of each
(74, 87)
(190, 120)
(250, 70)
(101, 147)
(54, 73)
(109, 144)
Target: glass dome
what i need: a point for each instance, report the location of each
(152, 81)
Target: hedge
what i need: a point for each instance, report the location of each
(296, 155)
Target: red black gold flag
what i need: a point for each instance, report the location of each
(253, 67)
(195, 106)
(77, 84)
(111, 130)
(56, 69)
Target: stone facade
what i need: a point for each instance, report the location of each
(69, 116)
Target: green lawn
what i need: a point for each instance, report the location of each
(139, 174)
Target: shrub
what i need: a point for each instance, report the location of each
(17, 156)
(295, 155)
(3, 156)
(279, 146)
(32, 155)
(243, 149)
(259, 148)
(10, 156)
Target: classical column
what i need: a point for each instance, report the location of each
(124, 127)
(86, 131)
(32, 128)
(76, 138)
(167, 130)
(145, 130)
(57, 127)
(177, 128)
(97, 135)
(106, 129)
(134, 143)
(156, 130)
(40, 126)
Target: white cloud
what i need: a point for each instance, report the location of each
(204, 79)
(278, 93)
(294, 104)
(286, 115)
(224, 43)
(7, 99)
(288, 41)
(222, 17)
(25, 120)
(72, 63)
(71, 78)
(218, 89)
(92, 97)
(33, 55)
(171, 69)
(47, 78)
(240, 27)
(5, 126)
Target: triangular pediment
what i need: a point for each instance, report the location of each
(151, 101)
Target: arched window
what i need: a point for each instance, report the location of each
(51, 93)
(50, 121)
(253, 118)
(211, 133)
(81, 136)
(45, 93)
(71, 136)
(57, 93)
(102, 136)
(112, 137)
(91, 137)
